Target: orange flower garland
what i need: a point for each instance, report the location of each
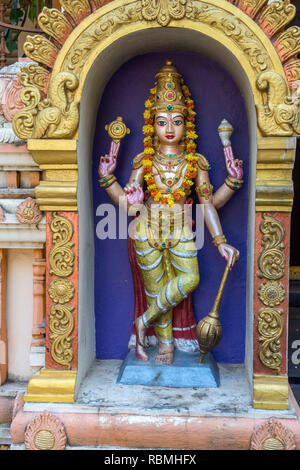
(149, 151)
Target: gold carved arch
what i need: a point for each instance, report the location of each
(253, 31)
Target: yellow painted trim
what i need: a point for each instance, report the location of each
(274, 184)
(271, 392)
(60, 383)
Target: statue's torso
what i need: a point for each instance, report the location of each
(169, 172)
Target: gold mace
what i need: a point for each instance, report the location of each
(209, 329)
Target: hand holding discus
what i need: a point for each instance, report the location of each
(117, 130)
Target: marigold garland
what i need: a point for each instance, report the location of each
(149, 151)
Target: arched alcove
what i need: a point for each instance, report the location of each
(95, 41)
(158, 41)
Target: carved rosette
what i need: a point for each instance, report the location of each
(271, 292)
(272, 436)
(28, 212)
(45, 432)
(61, 291)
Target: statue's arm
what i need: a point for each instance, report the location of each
(204, 191)
(132, 193)
(222, 196)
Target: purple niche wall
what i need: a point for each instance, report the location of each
(216, 97)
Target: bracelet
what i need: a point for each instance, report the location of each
(218, 240)
(107, 181)
(233, 183)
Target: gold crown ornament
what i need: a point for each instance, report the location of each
(169, 96)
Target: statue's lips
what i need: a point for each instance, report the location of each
(170, 137)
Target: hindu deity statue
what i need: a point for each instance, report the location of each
(161, 182)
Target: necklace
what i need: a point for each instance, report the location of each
(170, 156)
(168, 180)
(168, 161)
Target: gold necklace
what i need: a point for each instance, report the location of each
(171, 157)
(168, 180)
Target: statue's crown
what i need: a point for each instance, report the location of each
(169, 97)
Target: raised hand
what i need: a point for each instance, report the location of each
(134, 193)
(234, 165)
(108, 163)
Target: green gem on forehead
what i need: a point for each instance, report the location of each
(169, 85)
(169, 107)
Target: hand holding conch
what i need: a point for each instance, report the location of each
(234, 165)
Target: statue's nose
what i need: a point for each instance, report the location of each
(170, 126)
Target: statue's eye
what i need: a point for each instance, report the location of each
(161, 123)
(178, 122)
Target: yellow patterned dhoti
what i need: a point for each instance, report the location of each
(169, 265)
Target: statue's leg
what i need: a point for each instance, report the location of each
(164, 296)
(150, 262)
(186, 279)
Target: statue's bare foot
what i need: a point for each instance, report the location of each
(140, 340)
(165, 353)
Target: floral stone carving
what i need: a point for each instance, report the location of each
(45, 432)
(28, 212)
(61, 290)
(272, 436)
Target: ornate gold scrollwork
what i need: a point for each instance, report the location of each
(271, 292)
(61, 291)
(251, 7)
(41, 50)
(235, 29)
(276, 16)
(54, 23)
(61, 325)
(77, 9)
(55, 117)
(271, 259)
(163, 11)
(278, 115)
(109, 24)
(270, 328)
(34, 75)
(61, 255)
(288, 43)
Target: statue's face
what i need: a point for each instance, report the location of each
(169, 127)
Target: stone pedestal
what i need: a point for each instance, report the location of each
(184, 372)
